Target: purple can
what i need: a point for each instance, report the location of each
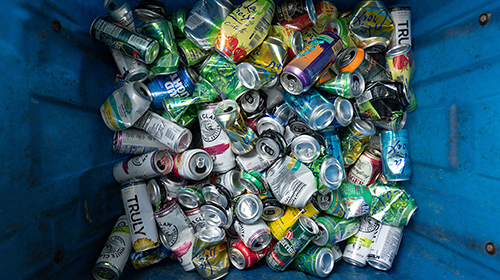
(309, 65)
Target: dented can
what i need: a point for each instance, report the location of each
(252, 161)
(135, 142)
(272, 209)
(243, 257)
(132, 70)
(230, 181)
(297, 14)
(143, 259)
(210, 255)
(315, 260)
(114, 255)
(271, 145)
(125, 106)
(140, 217)
(280, 226)
(255, 236)
(248, 208)
(356, 59)
(290, 36)
(312, 108)
(145, 166)
(310, 64)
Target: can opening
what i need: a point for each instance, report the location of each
(185, 141)
(323, 119)
(326, 263)
(112, 6)
(346, 59)
(228, 109)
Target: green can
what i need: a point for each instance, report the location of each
(336, 207)
(392, 204)
(333, 229)
(140, 47)
(222, 74)
(356, 199)
(190, 54)
(315, 260)
(254, 183)
(185, 120)
(179, 21)
(168, 58)
(292, 244)
(346, 85)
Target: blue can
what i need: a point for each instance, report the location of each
(396, 163)
(178, 84)
(344, 111)
(312, 108)
(140, 260)
(332, 144)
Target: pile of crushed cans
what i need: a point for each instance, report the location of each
(258, 130)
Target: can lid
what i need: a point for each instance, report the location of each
(217, 195)
(363, 127)
(268, 148)
(211, 234)
(261, 241)
(200, 164)
(309, 225)
(189, 198)
(226, 107)
(357, 84)
(297, 42)
(291, 83)
(214, 215)
(398, 50)
(248, 76)
(249, 208)
(331, 173)
(322, 238)
(143, 91)
(163, 162)
(343, 111)
(267, 122)
(324, 200)
(106, 271)
(237, 258)
(322, 116)
(311, 11)
(333, 26)
(374, 44)
(306, 148)
(117, 9)
(250, 101)
(349, 60)
(324, 262)
(154, 191)
(284, 113)
(272, 209)
(163, 238)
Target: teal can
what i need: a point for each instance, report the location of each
(315, 260)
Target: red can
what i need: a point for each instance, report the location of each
(243, 257)
(366, 169)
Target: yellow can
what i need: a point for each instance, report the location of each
(280, 226)
(244, 29)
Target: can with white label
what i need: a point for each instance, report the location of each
(385, 246)
(401, 15)
(256, 236)
(140, 217)
(215, 140)
(195, 164)
(136, 142)
(114, 255)
(174, 136)
(146, 166)
(132, 70)
(358, 246)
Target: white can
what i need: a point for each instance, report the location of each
(385, 246)
(136, 142)
(256, 236)
(215, 140)
(180, 234)
(358, 246)
(175, 137)
(125, 106)
(252, 161)
(291, 182)
(402, 26)
(140, 217)
(231, 181)
(132, 70)
(114, 255)
(195, 218)
(195, 164)
(146, 166)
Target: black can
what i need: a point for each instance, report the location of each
(382, 101)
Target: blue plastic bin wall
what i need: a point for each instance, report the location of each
(59, 200)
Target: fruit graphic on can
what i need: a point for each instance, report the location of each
(244, 29)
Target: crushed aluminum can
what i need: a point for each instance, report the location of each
(243, 257)
(248, 208)
(255, 236)
(356, 198)
(315, 260)
(358, 246)
(143, 259)
(230, 181)
(215, 215)
(280, 226)
(217, 194)
(334, 230)
(305, 148)
(328, 172)
(210, 256)
(345, 84)
(132, 70)
(402, 67)
(190, 197)
(312, 108)
(269, 121)
(396, 162)
(272, 209)
(354, 138)
(271, 145)
(195, 218)
(252, 161)
(356, 59)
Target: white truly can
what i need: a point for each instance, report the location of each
(385, 246)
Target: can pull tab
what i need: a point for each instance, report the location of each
(200, 165)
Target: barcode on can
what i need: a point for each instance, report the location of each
(137, 41)
(194, 21)
(111, 29)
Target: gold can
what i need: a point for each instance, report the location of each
(210, 256)
(280, 226)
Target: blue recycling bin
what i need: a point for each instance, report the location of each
(59, 201)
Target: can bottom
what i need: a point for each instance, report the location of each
(353, 261)
(379, 264)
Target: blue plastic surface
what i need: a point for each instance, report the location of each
(59, 200)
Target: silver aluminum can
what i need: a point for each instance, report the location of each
(136, 142)
(248, 208)
(343, 112)
(196, 219)
(231, 181)
(176, 226)
(125, 106)
(401, 15)
(190, 197)
(269, 121)
(274, 91)
(284, 113)
(272, 209)
(252, 104)
(146, 166)
(385, 246)
(271, 145)
(140, 217)
(114, 255)
(358, 246)
(121, 12)
(252, 161)
(306, 148)
(195, 164)
(132, 70)
(215, 140)
(175, 137)
(296, 128)
(337, 253)
(314, 260)
(173, 184)
(217, 194)
(158, 194)
(256, 236)
(202, 18)
(216, 216)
